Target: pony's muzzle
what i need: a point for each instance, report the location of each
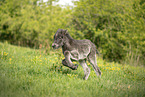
(55, 46)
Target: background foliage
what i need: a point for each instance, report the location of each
(115, 26)
(29, 22)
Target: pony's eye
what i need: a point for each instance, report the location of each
(61, 37)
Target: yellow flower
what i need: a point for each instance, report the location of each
(113, 68)
(74, 62)
(118, 69)
(10, 59)
(5, 53)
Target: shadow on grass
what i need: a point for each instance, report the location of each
(65, 71)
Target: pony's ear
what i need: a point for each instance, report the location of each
(64, 32)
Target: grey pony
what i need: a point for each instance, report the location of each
(76, 50)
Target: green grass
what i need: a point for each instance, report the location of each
(24, 72)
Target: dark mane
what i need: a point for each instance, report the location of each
(68, 36)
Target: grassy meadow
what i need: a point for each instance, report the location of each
(26, 72)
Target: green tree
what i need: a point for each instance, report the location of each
(116, 27)
(31, 22)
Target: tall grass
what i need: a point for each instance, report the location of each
(26, 72)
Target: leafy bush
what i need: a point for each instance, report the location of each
(31, 22)
(116, 27)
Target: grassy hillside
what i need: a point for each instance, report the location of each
(25, 72)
